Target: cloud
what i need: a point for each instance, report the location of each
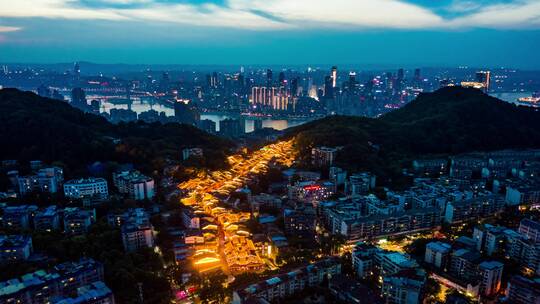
(63, 9)
(344, 13)
(4, 29)
(288, 14)
(516, 14)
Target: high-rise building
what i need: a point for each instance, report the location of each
(294, 87)
(78, 98)
(490, 276)
(334, 76)
(484, 77)
(207, 125)
(269, 78)
(417, 74)
(77, 71)
(44, 91)
(522, 290)
(184, 112)
(281, 79)
(275, 98)
(328, 87)
(232, 127)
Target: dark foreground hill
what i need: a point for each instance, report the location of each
(451, 120)
(33, 127)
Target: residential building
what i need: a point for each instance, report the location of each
(15, 248)
(522, 290)
(191, 218)
(530, 229)
(490, 273)
(437, 254)
(522, 194)
(78, 221)
(383, 225)
(56, 284)
(93, 188)
(464, 264)
(47, 219)
(191, 152)
(338, 175)
(360, 184)
(363, 259)
(136, 236)
(300, 222)
(323, 156)
(404, 287)
(430, 167)
(44, 180)
(137, 231)
(287, 284)
(19, 217)
(135, 184)
(474, 208)
(346, 290)
(311, 191)
(489, 238)
(95, 293)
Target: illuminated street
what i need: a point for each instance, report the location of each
(227, 243)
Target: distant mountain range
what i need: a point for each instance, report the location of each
(451, 120)
(33, 127)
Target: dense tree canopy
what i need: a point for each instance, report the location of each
(451, 120)
(33, 127)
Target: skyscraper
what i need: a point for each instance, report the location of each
(184, 112)
(334, 76)
(165, 81)
(77, 71)
(78, 98)
(484, 77)
(281, 79)
(328, 88)
(269, 78)
(294, 87)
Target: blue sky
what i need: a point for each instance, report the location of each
(398, 32)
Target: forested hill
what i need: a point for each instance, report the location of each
(451, 120)
(33, 127)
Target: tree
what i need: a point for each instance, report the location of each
(213, 288)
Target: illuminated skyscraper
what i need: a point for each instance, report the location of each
(334, 76)
(275, 98)
(212, 80)
(484, 77)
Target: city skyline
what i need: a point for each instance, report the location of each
(450, 33)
